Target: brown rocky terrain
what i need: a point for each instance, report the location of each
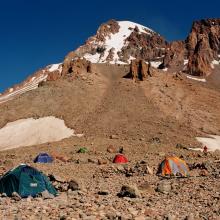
(148, 119)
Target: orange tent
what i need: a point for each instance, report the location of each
(173, 166)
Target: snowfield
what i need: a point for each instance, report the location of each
(54, 67)
(27, 132)
(212, 143)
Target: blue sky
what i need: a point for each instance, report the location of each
(36, 33)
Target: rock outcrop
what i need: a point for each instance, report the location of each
(143, 46)
(174, 56)
(94, 44)
(139, 70)
(203, 46)
(76, 66)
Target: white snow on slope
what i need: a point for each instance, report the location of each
(195, 78)
(116, 41)
(214, 62)
(27, 132)
(186, 61)
(155, 64)
(54, 67)
(212, 143)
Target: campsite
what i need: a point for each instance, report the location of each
(109, 110)
(90, 184)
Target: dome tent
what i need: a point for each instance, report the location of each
(120, 158)
(26, 181)
(173, 166)
(43, 158)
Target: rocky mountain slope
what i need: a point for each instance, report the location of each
(120, 42)
(147, 118)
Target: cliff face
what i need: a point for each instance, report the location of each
(198, 54)
(203, 46)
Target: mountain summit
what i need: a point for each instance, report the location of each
(119, 42)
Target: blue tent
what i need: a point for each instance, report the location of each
(43, 158)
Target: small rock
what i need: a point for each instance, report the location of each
(146, 188)
(150, 170)
(129, 191)
(29, 198)
(112, 149)
(92, 161)
(140, 217)
(204, 173)
(133, 211)
(170, 217)
(73, 185)
(164, 187)
(46, 195)
(113, 136)
(3, 195)
(53, 177)
(120, 168)
(156, 140)
(103, 193)
(16, 196)
(180, 146)
(161, 154)
(190, 217)
(102, 161)
(150, 212)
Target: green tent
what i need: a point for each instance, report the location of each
(26, 181)
(83, 150)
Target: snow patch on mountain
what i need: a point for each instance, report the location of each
(26, 132)
(195, 78)
(55, 67)
(115, 42)
(155, 64)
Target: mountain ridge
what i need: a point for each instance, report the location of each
(120, 42)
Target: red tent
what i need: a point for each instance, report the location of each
(120, 158)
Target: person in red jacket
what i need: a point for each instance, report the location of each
(205, 150)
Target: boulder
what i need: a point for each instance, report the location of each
(164, 187)
(73, 185)
(129, 191)
(46, 195)
(174, 56)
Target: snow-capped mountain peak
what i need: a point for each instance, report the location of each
(120, 42)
